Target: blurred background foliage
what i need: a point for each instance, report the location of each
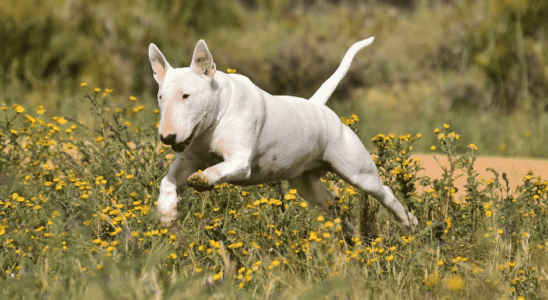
(480, 65)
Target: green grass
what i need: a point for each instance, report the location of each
(517, 134)
(83, 225)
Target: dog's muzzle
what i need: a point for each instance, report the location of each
(180, 147)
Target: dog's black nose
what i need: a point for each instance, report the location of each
(168, 140)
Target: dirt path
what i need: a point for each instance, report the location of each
(515, 168)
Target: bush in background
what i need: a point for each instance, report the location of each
(479, 63)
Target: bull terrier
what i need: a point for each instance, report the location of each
(237, 133)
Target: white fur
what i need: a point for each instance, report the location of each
(240, 134)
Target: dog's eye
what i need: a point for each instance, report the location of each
(185, 96)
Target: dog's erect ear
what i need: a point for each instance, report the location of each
(158, 62)
(202, 61)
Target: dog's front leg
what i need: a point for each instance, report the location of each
(175, 178)
(229, 170)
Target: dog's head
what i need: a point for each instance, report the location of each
(185, 96)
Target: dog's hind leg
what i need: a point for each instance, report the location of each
(351, 161)
(310, 187)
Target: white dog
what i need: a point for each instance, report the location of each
(237, 133)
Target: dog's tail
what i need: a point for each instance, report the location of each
(324, 92)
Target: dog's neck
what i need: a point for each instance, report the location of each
(219, 100)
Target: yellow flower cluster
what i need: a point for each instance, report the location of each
(353, 119)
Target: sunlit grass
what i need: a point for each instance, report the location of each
(77, 220)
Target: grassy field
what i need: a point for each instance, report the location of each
(80, 175)
(78, 221)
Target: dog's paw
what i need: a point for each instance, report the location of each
(411, 223)
(169, 220)
(199, 182)
(167, 210)
(414, 221)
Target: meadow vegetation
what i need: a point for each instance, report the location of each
(80, 175)
(78, 221)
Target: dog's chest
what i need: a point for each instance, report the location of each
(204, 157)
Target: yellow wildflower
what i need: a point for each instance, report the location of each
(455, 283)
(18, 108)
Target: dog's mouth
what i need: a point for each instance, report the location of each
(180, 147)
